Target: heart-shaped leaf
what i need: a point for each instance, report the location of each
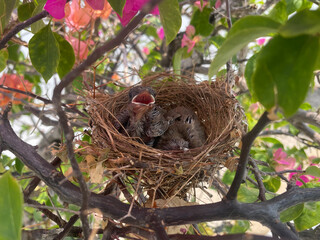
(44, 52)
(283, 71)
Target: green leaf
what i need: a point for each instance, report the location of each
(313, 171)
(247, 194)
(284, 69)
(35, 27)
(3, 59)
(297, 5)
(149, 30)
(6, 8)
(170, 17)
(309, 217)
(117, 5)
(272, 140)
(240, 226)
(177, 61)
(228, 177)
(316, 160)
(19, 165)
(291, 213)
(13, 50)
(243, 31)
(249, 70)
(305, 106)
(44, 52)
(272, 184)
(25, 11)
(200, 20)
(279, 12)
(67, 57)
(10, 208)
(305, 4)
(304, 22)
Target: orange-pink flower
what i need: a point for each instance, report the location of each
(81, 49)
(56, 8)
(79, 17)
(105, 12)
(16, 82)
(187, 39)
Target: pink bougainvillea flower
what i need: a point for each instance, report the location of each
(261, 41)
(146, 50)
(190, 31)
(279, 154)
(187, 42)
(254, 107)
(131, 8)
(56, 7)
(283, 162)
(81, 53)
(198, 5)
(96, 4)
(187, 39)
(304, 178)
(217, 4)
(160, 33)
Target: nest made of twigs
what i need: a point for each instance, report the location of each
(174, 172)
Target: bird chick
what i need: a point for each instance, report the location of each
(185, 131)
(142, 118)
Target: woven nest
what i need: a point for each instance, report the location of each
(172, 172)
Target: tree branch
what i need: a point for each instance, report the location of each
(247, 141)
(67, 227)
(307, 117)
(307, 131)
(225, 237)
(21, 26)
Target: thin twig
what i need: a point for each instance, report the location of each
(262, 189)
(67, 227)
(44, 100)
(45, 210)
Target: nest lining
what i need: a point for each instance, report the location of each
(172, 171)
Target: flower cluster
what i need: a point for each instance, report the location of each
(93, 8)
(189, 40)
(16, 82)
(283, 162)
(56, 7)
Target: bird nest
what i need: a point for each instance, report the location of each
(168, 172)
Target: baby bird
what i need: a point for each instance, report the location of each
(185, 131)
(142, 118)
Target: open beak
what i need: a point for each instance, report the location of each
(143, 98)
